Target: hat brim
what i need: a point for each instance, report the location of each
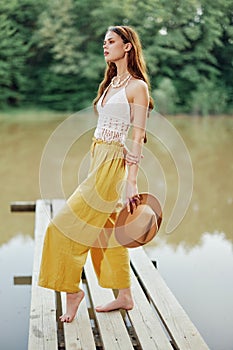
(126, 238)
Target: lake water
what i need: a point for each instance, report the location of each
(195, 258)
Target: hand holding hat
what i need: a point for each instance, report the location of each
(133, 203)
(141, 224)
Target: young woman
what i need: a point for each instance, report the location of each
(123, 100)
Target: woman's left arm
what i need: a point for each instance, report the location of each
(140, 111)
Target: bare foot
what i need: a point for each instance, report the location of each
(123, 301)
(72, 303)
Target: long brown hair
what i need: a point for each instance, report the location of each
(136, 62)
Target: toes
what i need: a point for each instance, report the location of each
(64, 318)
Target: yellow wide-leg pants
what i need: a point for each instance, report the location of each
(86, 223)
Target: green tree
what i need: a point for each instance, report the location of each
(165, 96)
(17, 20)
(68, 55)
(208, 98)
(51, 52)
(184, 48)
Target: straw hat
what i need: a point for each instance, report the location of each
(140, 227)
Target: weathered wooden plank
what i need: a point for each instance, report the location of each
(180, 328)
(112, 329)
(149, 331)
(22, 280)
(23, 206)
(78, 334)
(42, 326)
(57, 204)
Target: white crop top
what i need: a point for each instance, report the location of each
(114, 117)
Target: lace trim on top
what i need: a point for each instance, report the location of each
(111, 129)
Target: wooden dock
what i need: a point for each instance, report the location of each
(157, 322)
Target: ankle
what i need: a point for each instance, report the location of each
(75, 294)
(125, 293)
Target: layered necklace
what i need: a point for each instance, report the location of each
(116, 81)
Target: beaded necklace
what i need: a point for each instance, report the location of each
(116, 81)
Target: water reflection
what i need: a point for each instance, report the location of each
(15, 260)
(201, 279)
(196, 265)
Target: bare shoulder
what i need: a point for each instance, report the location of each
(138, 85)
(137, 90)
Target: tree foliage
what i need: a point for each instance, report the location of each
(51, 52)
